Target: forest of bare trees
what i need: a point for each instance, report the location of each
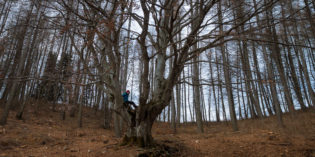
(183, 60)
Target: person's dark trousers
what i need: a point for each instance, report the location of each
(131, 103)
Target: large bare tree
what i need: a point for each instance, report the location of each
(108, 41)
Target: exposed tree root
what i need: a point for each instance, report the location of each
(160, 150)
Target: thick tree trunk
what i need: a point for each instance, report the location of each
(107, 114)
(117, 108)
(141, 119)
(140, 123)
(140, 134)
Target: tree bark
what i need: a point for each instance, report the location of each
(213, 89)
(20, 67)
(227, 77)
(276, 57)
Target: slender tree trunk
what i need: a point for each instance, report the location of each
(227, 75)
(178, 104)
(276, 57)
(20, 67)
(238, 94)
(197, 95)
(258, 74)
(273, 89)
(185, 99)
(172, 102)
(213, 90)
(243, 99)
(5, 14)
(250, 87)
(173, 112)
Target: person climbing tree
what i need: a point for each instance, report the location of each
(126, 101)
(131, 110)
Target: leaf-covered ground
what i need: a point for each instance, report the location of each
(44, 133)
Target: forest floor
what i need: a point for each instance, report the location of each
(43, 133)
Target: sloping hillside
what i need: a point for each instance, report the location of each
(44, 133)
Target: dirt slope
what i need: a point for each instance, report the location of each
(43, 133)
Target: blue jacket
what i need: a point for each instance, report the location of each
(125, 96)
